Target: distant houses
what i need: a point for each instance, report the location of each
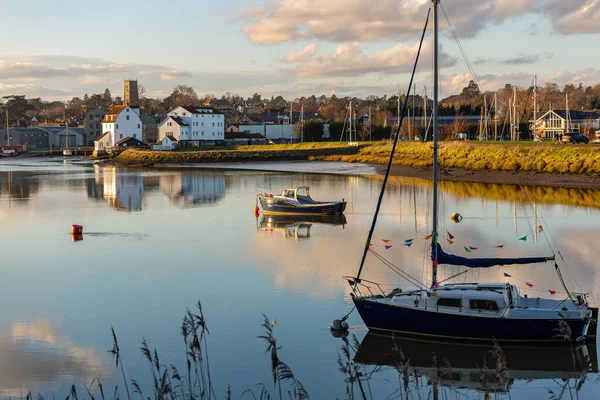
(92, 125)
(192, 126)
(43, 137)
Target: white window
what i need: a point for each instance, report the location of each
(213, 124)
(121, 136)
(117, 126)
(127, 110)
(134, 135)
(203, 124)
(138, 126)
(128, 118)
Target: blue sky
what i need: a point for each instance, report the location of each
(65, 48)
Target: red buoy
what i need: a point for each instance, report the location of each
(76, 229)
(77, 237)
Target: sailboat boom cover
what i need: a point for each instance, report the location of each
(451, 259)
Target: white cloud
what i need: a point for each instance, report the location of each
(349, 60)
(301, 55)
(173, 73)
(349, 20)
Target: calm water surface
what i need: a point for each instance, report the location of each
(156, 242)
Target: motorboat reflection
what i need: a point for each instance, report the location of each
(478, 366)
(298, 226)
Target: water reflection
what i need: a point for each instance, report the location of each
(122, 190)
(34, 354)
(297, 226)
(16, 185)
(192, 188)
(478, 368)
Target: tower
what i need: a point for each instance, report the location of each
(130, 97)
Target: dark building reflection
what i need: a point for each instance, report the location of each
(190, 189)
(18, 185)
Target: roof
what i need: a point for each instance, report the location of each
(103, 135)
(110, 116)
(578, 115)
(200, 110)
(178, 121)
(130, 139)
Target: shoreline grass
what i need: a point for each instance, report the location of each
(471, 156)
(287, 152)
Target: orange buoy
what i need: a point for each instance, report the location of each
(456, 217)
(76, 229)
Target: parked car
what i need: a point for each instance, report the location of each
(462, 136)
(575, 137)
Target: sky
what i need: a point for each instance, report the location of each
(65, 48)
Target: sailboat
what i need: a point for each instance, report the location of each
(472, 311)
(8, 151)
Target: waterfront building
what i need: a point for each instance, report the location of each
(150, 128)
(42, 136)
(121, 122)
(193, 126)
(92, 125)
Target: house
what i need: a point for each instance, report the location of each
(58, 136)
(122, 122)
(150, 128)
(193, 126)
(554, 123)
(101, 143)
(168, 143)
(92, 125)
(245, 138)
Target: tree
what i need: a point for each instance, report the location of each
(471, 90)
(107, 97)
(17, 107)
(183, 95)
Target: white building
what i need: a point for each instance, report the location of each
(121, 122)
(193, 126)
(279, 133)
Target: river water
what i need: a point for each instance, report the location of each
(158, 241)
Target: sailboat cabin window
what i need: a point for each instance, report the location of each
(289, 193)
(490, 305)
(449, 302)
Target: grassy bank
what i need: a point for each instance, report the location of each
(283, 152)
(473, 156)
(527, 156)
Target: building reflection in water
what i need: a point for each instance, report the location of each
(476, 368)
(193, 188)
(123, 191)
(18, 185)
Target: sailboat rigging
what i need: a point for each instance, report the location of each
(475, 311)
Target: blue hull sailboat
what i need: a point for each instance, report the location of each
(297, 201)
(473, 311)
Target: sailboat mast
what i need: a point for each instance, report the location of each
(534, 106)
(7, 129)
(425, 114)
(434, 237)
(495, 115)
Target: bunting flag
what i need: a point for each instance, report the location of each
(500, 246)
(524, 238)
(529, 284)
(540, 229)
(507, 275)
(467, 249)
(368, 245)
(408, 244)
(529, 380)
(450, 241)
(388, 247)
(385, 240)
(450, 236)
(473, 248)
(408, 240)
(552, 291)
(428, 237)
